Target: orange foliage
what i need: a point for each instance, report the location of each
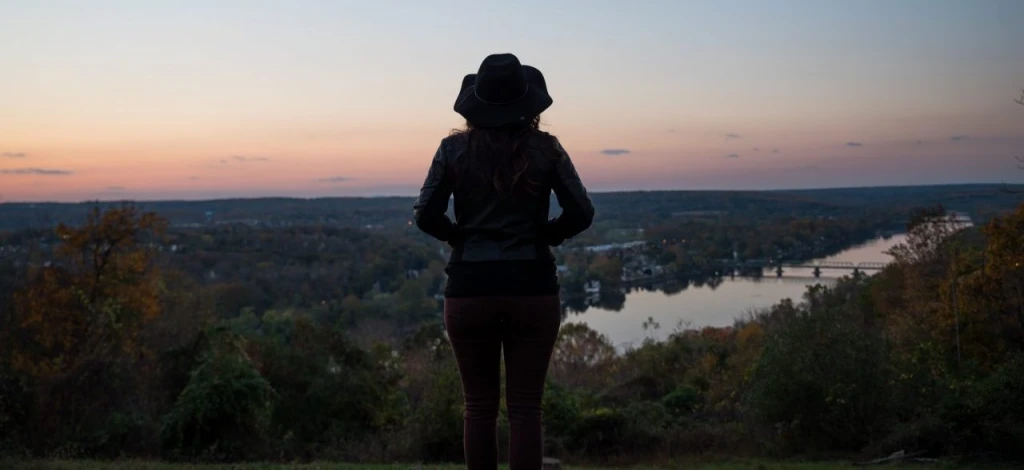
(90, 303)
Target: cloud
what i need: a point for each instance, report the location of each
(13, 154)
(115, 188)
(731, 136)
(960, 137)
(193, 178)
(732, 155)
(243, 158)
(920, 142)
(334, 179)
(34, 171)
(757, 149)
(854, 144)
(775, 151)
(615, 151)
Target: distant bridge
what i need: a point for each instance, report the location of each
(817, 266)
(864, 266)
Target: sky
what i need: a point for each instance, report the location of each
(205, 99)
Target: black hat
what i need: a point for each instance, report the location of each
(502, 92)
(534, 76)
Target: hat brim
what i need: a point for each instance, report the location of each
(483, 114)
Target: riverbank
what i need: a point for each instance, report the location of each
(716, 301)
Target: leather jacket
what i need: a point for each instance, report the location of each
(491, 226)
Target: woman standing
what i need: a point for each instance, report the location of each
(502, 290)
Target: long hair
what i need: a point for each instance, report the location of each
(500, 155)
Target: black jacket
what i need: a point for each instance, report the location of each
(491, 226)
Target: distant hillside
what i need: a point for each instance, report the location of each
(979, 200)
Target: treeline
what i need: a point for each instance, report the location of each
(617, 210)
(113, 350)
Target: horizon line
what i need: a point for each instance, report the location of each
(395, 196)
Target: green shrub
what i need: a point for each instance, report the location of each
(988, 414)
(601, 432)
(562, 415)
(682, 401)
(224, 409)
(823, 381)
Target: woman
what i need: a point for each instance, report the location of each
(502, 290)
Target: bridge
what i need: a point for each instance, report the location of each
(865, 266)
(817, 266)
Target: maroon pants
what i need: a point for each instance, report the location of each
(525, 328)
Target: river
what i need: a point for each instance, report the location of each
(721, 304)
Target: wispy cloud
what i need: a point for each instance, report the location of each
(334, 179)
(614, 152)
(776, 151)
(920, 142)
(193, 178)
(34, 171)
(854, 144)
(756, 149)
(115, 188)
(13, 154)
(244, 158)
(960, 137)
(732, 155)
(732, 135)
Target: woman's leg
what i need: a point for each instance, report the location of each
(530, 330)
(474, 327)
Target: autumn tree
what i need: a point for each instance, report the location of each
(79, 317)
(582, 357)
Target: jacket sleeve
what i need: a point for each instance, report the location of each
(432, 203)
(577, 208)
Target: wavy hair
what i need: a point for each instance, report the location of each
(500, 155)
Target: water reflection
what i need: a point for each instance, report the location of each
(709, 300)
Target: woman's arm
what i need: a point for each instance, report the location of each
(429, 209)
(577, 208)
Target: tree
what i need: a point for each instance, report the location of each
(79, 319)
(91, 303)
(582, 357)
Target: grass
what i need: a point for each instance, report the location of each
(154, 465)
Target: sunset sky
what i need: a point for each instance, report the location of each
(200, 99)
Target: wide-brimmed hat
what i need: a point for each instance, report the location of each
(503, 91)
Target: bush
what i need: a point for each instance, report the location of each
(14, 403)
(989, 414)
(562, 415)
(224, 409)
(823, 380)
(682, 401)
(436, 425)
(602, 432)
